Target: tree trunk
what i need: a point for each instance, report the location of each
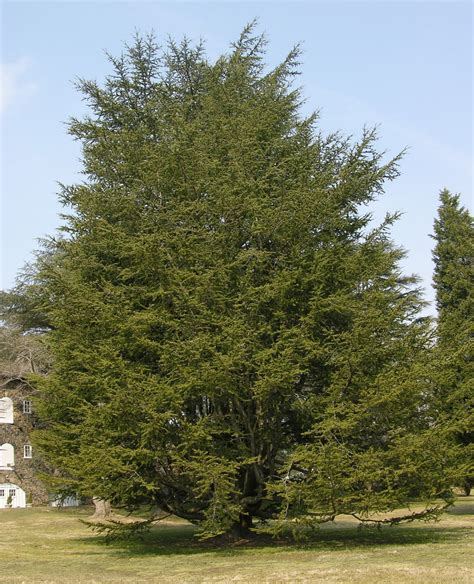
(102, 508)
(467, 486)
(241, 529)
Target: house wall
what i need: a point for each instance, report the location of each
(24, 472)
(17, 498)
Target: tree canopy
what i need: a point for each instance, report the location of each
(454, 285)
(232, 339)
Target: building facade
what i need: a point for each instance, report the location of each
(19, 484)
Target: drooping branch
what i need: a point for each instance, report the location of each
(429, 514)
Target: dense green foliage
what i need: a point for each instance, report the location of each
(454, 284)
(24, 308)
(24, 318)
(231, 338)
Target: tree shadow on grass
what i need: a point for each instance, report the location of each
(181, 540)
(461, 509)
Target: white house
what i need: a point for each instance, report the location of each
(11, 495)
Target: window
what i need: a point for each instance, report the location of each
(26, 406)
(6, 411)
(2, 492)
(27, 451)
(7, 457)
(11, 492)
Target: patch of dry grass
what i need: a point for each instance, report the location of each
(52, 546)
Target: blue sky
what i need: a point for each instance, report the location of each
(406, 66)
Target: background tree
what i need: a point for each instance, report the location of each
(231, 339)
(23, 351)
(23, 320)
(454, 284)
(25, 307)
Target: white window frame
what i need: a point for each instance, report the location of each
(7, 456)
(6, 410)
(27, 451)
(27, 406)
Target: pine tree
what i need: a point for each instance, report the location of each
(454, 284)
(232, 341)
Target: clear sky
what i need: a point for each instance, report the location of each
(406, 66)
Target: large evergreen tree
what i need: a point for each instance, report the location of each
(454, 284)
(231, 339)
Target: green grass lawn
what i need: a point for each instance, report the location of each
(51, 545)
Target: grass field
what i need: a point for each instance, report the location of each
(51, 545)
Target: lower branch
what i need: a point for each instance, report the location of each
(429, 514)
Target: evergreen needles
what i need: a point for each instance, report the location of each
(232, 340)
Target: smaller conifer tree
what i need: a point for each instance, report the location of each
(454, 284)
